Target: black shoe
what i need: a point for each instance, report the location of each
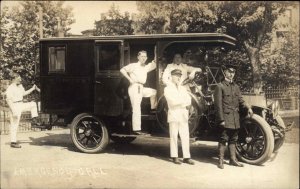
(176, 160)
(235, 163)
(188, 161)
(221, 164)
(15, 145)
(140, 133)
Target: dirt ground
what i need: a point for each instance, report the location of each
(48, 159)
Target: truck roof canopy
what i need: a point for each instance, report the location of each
(206, 37)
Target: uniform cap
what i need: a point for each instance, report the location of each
(176, 72)
(231, 67)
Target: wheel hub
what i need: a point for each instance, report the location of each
(248, 140)
(88, 132)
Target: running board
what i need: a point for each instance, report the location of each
(149, 117)
(146, 136)
(132, 135)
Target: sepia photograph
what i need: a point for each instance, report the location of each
(149, 94)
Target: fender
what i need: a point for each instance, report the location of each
(276, 123)
(260, 110)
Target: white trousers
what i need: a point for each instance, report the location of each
(183, 130)
(136, 93)
(15, 115)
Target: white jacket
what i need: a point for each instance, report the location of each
(178, 99)
(185, 70)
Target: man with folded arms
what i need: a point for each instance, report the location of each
(178, 101)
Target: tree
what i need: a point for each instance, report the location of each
(190, 17)
(175, 17)
(114, 23)
(280, 67)
(249, 22)
(20, 33)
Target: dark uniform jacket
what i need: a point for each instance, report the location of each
(227, 99)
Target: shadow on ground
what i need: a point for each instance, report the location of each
(152, 147)
(59, 140)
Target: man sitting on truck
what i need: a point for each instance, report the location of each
(177, 64)
(136, 73)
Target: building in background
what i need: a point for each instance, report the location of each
(285, 24)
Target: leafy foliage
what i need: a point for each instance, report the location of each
(280, 67)
(114, 24)
(175, 17)
(20, 33)
(249, 22)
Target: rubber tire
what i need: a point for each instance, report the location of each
(105, 138)
(122, 140)
(269, 141)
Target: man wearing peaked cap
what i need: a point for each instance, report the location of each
(228, 98)
(176, 72)
(178, 100)
(230, 67)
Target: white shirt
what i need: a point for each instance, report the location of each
(137, 72)
(185, 69)
(15, 92)
(178, 99)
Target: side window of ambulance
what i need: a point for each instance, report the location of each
(57, 59)
(109, 56)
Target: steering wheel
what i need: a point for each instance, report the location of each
(198, 77)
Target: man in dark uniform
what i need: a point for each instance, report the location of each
(228, 98)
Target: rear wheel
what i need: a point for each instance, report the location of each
(88, 133)
(256, 140)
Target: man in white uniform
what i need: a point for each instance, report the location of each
(177, 64)
(136, 73)
(14, 97)
(178, 100)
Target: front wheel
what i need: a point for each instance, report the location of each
(88, 133)
(256, 141)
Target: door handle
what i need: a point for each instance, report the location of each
(98, 82)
